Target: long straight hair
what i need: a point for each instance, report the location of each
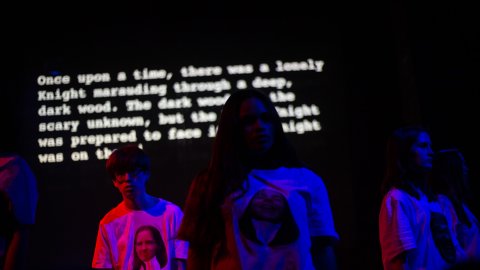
(202, 223)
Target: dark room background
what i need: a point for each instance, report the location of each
(367, 68)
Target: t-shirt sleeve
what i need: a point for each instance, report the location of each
(181, 246)
(319, 212)
(20, 185)
(101, 255)
(395, 231)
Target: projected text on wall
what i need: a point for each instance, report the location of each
(83, 116)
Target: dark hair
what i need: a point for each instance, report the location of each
(161, 253)
(450, 177)
(126, 159)
(202, 223)
(399, 169)
(229, 150)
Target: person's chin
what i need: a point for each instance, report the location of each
(263, 146)
(130, 194)
(259, 151)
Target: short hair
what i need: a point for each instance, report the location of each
(126, 159)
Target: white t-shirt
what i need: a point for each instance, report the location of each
(115, 244)
(19, 187)
(309, 214)
(405, 224)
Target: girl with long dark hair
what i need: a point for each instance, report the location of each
(254, 169)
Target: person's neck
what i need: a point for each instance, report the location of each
(419, 180)
(141, 202)
(262, 162)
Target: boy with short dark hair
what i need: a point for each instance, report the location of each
(129, 168)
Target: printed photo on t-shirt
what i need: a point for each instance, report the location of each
(150, 252)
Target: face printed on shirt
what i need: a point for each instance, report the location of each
(268, 205)
(149, 247)
(442, 237)
(145, 245)
(268, 219)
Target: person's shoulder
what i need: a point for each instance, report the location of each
(10, 159)
(306, 173)
(118, 211)
(169, 210)
(397, 195)
(174, 206)
(14, 168)
(305, 176)
(170, 206)
(443, 199)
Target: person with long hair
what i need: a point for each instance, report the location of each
(450, 181)
(413, 231)
(254, 186)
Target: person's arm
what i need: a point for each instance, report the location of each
(323, 253)
(396, 234)
(15, 257)
(101, 258)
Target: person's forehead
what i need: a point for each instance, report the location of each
(145, 232)
(252, 105)
(423, 137)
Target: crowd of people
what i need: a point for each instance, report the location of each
(424, 221)
(256, 205)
